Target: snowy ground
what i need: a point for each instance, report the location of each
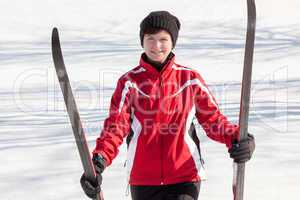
(38, 157)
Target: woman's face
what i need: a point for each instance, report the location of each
(158, 46)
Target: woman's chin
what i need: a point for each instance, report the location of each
(158, 59)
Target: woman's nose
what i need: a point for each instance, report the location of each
(157, 44)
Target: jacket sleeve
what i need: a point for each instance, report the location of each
(208, 114)
(117, 125)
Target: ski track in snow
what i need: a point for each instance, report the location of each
(222, 41)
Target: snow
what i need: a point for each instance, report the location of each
(100, 42)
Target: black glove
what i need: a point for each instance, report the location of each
(242, 151)
(92, 186)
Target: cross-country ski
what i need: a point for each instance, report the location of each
(239, 168)
(72, 108)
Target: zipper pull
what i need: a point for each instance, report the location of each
(160, 82)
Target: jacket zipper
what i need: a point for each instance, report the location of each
(161, 135)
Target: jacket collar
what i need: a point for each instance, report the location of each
(152, 70)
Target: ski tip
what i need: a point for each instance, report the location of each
(54, 31)
(55, 36)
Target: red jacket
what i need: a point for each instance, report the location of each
(159, 108)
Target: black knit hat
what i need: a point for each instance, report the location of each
(161, 20)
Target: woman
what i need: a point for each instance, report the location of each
(154, 105)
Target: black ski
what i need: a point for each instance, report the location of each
(239, 169)
(66, 89)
